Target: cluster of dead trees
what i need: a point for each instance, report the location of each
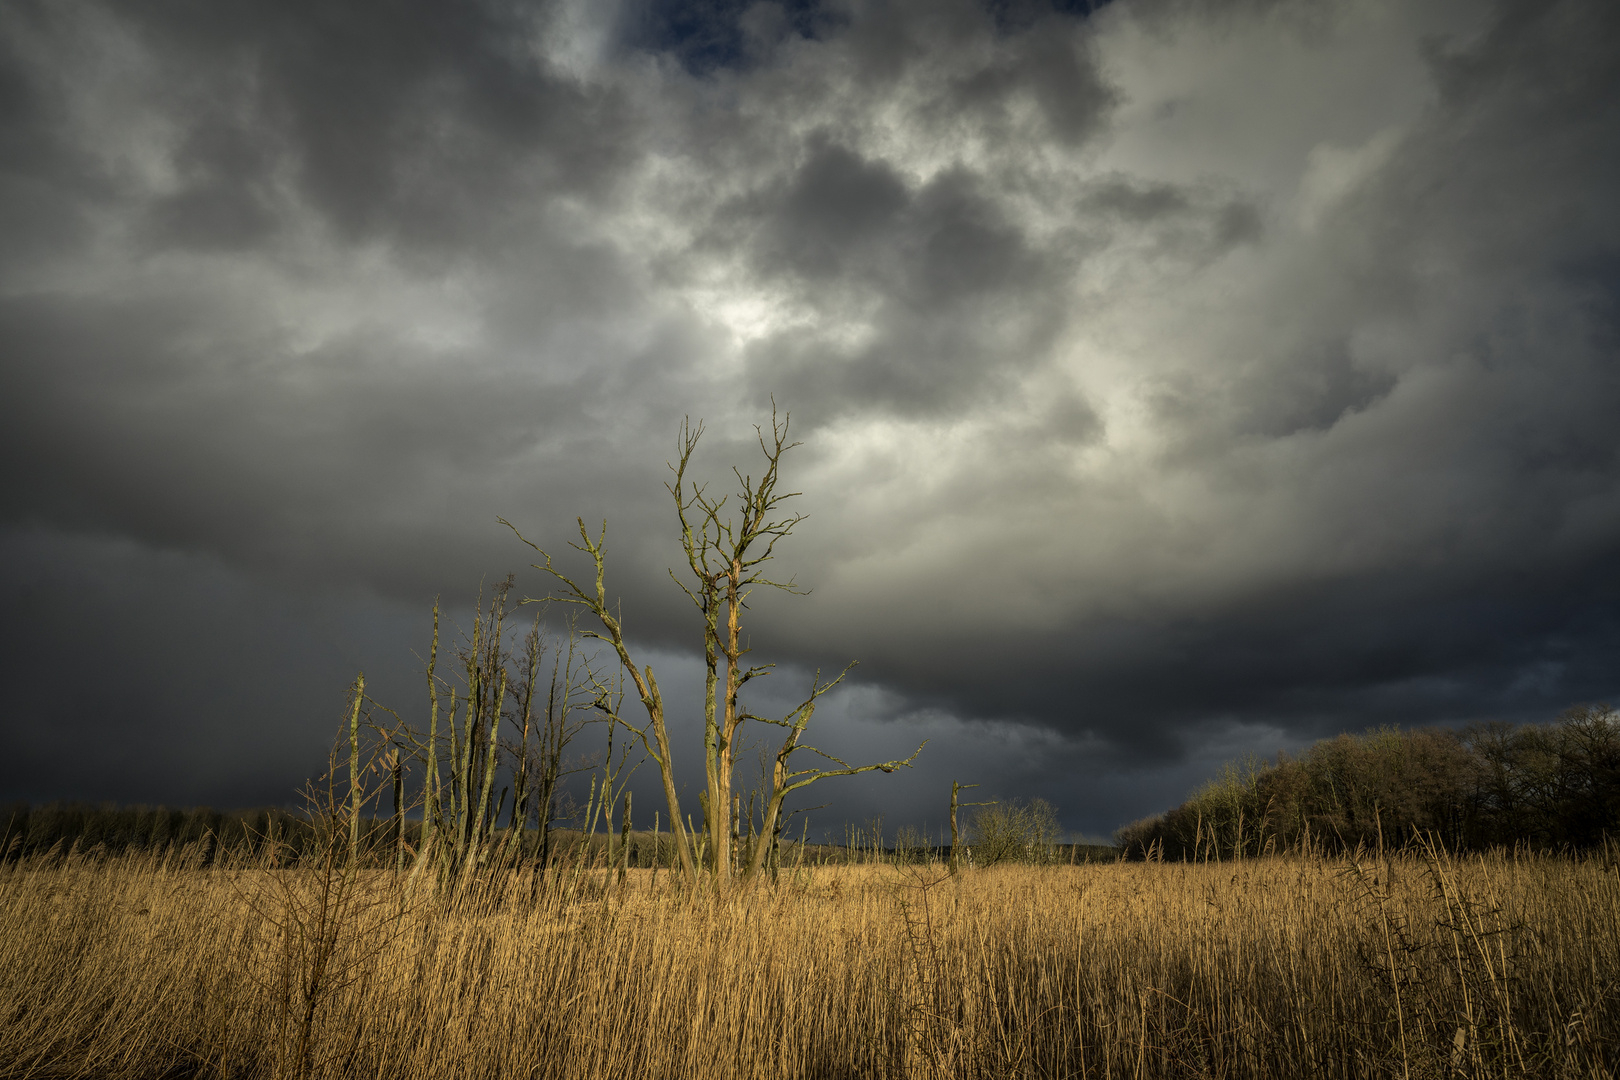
(500, 721)
(482, 777)
(1546, 786)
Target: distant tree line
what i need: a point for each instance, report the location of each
(106, 828)
(1546, 786)
(1016, 832)
(35, 830)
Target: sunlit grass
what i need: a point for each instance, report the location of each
(1288, 967)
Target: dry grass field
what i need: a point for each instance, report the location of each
(1412, 966)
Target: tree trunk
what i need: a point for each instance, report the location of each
(354, 769)
(398, 764)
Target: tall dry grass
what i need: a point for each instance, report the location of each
(1416, 966)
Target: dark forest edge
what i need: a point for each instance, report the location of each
(91, 829)
(1546, 787)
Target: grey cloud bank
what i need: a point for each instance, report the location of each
(1175, 379)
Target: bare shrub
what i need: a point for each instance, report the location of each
(1016, 831)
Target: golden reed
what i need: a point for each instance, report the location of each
(1417, 965)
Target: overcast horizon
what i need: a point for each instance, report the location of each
(1177, 380)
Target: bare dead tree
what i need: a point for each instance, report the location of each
(358, 695)
(785, 780)
(561, 722)
(726, 555)
(523, 719)
(615, 776)
(462, 752)
(485, 663)
(654, 735)
(956, 788)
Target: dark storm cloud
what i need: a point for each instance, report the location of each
(153, 702)
(1053, 70)
(1315, 660)
(1176, 379)
(934, 268)
(836, 210)
(853, 224)
(1457, 570)
(417, 123)
(1192, 223)
(224, 201)
(175, 400)
(414, 120)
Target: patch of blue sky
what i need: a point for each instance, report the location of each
(706, 36)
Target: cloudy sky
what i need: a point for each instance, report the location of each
(1177, 379)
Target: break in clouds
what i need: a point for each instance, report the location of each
(1176, 379)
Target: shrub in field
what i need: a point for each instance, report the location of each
(1016, 831)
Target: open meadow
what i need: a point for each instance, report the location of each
(1416, 965)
